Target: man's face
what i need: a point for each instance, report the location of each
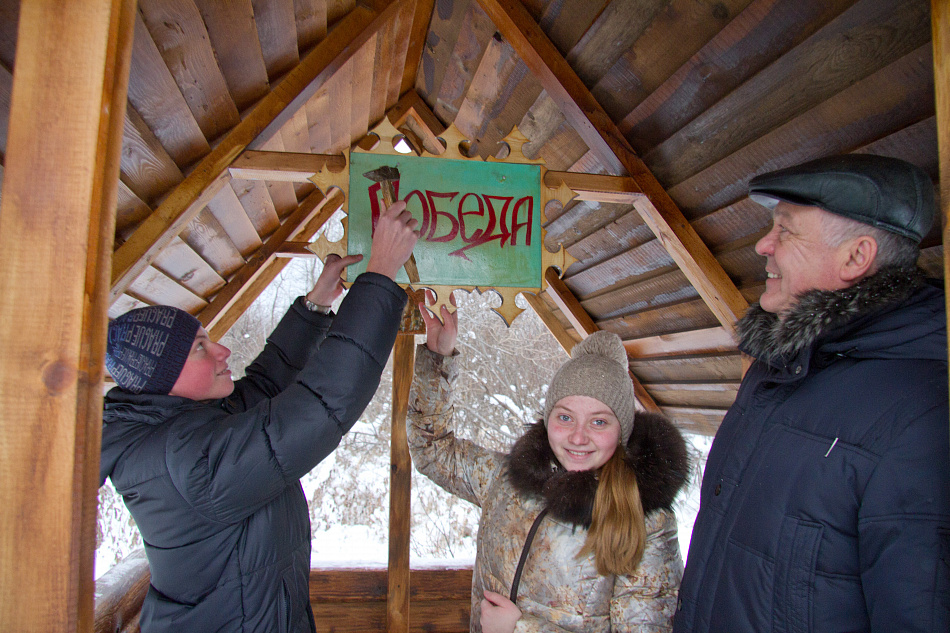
(205, 375)
(797, 257)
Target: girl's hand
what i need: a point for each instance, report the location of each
(498, 613)
(440, 335)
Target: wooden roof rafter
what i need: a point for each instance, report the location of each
(595, 127)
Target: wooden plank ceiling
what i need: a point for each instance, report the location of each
(689, 98)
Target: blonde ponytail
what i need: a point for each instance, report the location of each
(617, 533)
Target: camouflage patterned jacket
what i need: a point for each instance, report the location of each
(558, 592)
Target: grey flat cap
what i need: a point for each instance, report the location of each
(887, 193)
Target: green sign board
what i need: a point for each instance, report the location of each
(480, 221)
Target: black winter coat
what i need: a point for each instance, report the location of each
(214, 486)
(825, 502)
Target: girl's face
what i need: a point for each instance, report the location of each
(583, 432)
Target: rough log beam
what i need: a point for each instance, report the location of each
(60, 179)
(595, 127)
(568, 304)
(188, 198)
(284, 166)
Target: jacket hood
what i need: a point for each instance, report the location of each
(655, 451)
(892, 314)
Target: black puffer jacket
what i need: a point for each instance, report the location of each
(826, 498)
(214, 486)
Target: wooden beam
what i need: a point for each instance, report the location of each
(940, 25)
(284, 166)
(571, 308)
(595, 127)
(187, 200)
(596, 187)
(60, 179)
(550, 321)
(400, 483)
(314, 206)
(422, 14)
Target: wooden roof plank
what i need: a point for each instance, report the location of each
(619, 25)
(311, 19)
(277, 33)
(258, 205)
(695, 367)
(229, 212)
(755, 38)
(558, 331)
(182, 39)
(181, 263)
(602, 136)
(211, 173)
(649, 258)
(899, 95)
(415, 43)
(340, 94)
(469, 45)
(146, 168)
(237, 47)
(676, 317)
(318, 109)
(715, 339)
(402, 31)
(6, 86)
(567, 21)
(383, 69)
(296, 138)
(157, 98)
(363, 87)
(445, 26)
(677, 32)
(154, 287)
(718, 395)
(211, 241)
(130, 212)
(845, 51)
(700, 421)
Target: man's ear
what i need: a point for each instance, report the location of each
(861, 253)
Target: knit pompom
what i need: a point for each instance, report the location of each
(602, 343)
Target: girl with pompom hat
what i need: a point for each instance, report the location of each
(577, 531)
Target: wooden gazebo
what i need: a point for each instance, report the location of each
(164, 151)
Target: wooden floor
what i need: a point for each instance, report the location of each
(343, 599)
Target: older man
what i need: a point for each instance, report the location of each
(826, 498)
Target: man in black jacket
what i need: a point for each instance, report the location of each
(210, 468)
(825, 502)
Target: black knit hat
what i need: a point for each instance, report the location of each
(884, 192)
(147, 348)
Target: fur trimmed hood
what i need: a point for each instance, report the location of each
(820, 312)
(655, 451)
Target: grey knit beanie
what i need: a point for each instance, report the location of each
(147, 348)
(598, 368)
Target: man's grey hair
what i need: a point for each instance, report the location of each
(892, 249)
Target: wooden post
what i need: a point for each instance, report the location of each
(940, 24)
(57, 222)
(400, 485)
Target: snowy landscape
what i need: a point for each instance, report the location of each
(503, 378)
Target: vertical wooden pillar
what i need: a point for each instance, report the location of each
(400, 484)
(56, 232)
(940, 23)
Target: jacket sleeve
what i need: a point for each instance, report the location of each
(233, 465)
(461, 467)
(645, 601)
(904, 528)
(297, 336)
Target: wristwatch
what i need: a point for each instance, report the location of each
(313, 307)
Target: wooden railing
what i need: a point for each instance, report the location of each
(344, 599)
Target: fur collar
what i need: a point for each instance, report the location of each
(818, 312)
(656, 452)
